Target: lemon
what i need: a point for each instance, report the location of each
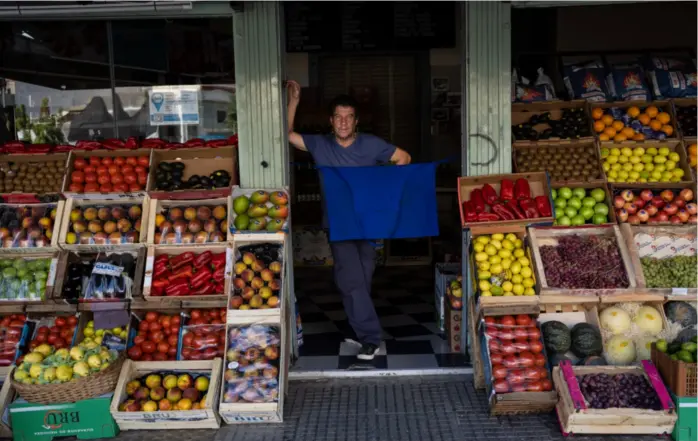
(64, 373)
(76, 353)
(508, 294)
(44, 349)
(623, 175)
(518, 289)
(94, 361)
(524, 261)
(483, 239)
(659, 159)
(483, 266)
(656, 175)
(604, 152)
(496, 268)
(479, 247)
(612, 159)
(623, 159)
(494, 260)
(663, 151)
(639, 167)
(606, 167)
(504, 254)
(519, 253)
(677, 172)
(81, 368)
(484, 285)
(627, 167)
(497, 290)
(633, 176)
(667, 175)
(498, 236)
(91, 324)
(99, 332)
(649, 167)
(516, 267)
(615, 151)
(616, 167)
(20, 375)
(123, 334)
(88, 332)
(484, 275)
(506, 263)
(528, 283)
(529, 292)
(660, 167)
(497, 244)
(480, 257)
(673, 156)
(652, 151)
(507, 286)
(50, 374)
(638, 151)
(526, 272)
(626, 151)
(35, 371)
(507, 244)
(34, 357)
(98, 340)
(511, 237)
(518, 243)
(516, 278)
(490, 250)
(635, 160)
(486, 294)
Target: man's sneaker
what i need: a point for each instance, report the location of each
(367, 351)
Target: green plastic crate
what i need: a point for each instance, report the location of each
(686, 428)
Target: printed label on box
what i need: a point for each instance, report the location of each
(665, 245)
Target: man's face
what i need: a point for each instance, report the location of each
(344, 122)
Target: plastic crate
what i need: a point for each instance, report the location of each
(686, 428)
(680, 377)
(444, 274)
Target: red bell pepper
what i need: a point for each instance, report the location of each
(218, 260)
(162, 258)
(543, 206)
(218, 275)
(511, 206)
(200, 277)
(487, 217)
(174, 146)
(477, 200)
(62, 148)
(14, 147)
(160, 284)
(131, 143)
(506, 192)
(184, 272)
(203, 259)
(153, 143)
(217, 143)
(39, 148)
(181, 260)
(529, 208)
(521, 189)
(203, 290)
(159, 269)
(88, 145)
(179, 288)
(469, 212)
(113, 144)
(195, 142)
(503, 212)
(489, 194)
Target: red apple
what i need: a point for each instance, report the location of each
(671, 209)
(686, 194)
(683, 215)
(692, 208)
(667, 195)
(639, 203)
(675, 220)
(653, 220)
(662, 217)
(643, 215)
(658, 202)
(634, 220)
(618, 202)
(693, 219)
(651, 210)
(622, 215)
(679, 202)
(627, 195)
(646, 195)
(630, 208)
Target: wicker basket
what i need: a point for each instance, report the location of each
(84, 388)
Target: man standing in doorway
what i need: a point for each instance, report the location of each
(354, 260)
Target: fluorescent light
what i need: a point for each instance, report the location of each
(25, 35)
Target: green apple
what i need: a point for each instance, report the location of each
(601, 209)
(560, 203)
(587, 213)
(575, 203)
(578, 220)
(559, 213)
(579, 193)
(588, 202)
(554, 194)
(570, 212)
(564, 192)
(564, 221)
(598, 194)
(599, 219)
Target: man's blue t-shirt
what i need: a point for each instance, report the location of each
(366, 150)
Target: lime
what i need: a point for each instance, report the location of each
(490, 250)
(689, 346)
(662, 345)
(519, 253)
(685, 356)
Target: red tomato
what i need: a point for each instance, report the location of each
(520, 346)
(532, 374)
(127, 168)
(546, 385)
(172, 340)
(507, 320)
(176, 320)
(499, 372)
(41, 338)
(163, 347)
(535, 386)
(143, 161)
(119, 160)
(523, 320)
(132, 160)
(157, 336)
(89, 169)
(77, 177)
(67, 334)
(95, 160)
(72, 320)
(164, 321)
(142, 178)
(139, 169)
(186, 353)
(210, 353)
(174, 329)
(160, 356)
(148, 347)
(490, 320)
(147, 357)
(138, 340)
(90, 178)
(91, 188)
(195, 314)
(107, 161)
(76, 188)
(540, 360)
(491, 331)
(130, 178)
(187, 339)
(533, 333)
(113, 169)
(122, 188)
(506, 334)
(516, 376)
(134, 187)
(543, 372)
(154, 326)
(55, 329)
(527, 359)
(510, 361)
(520, 334)
(151, 316)
(501, 386)
(509, 348)
(518, 387)
(135, 353)
(172, 351)
(494, 345)
(79, 163)
(117, 178)
(195, 355)
(103, 179)
(102, 170)
(60, 343)
(536, 346)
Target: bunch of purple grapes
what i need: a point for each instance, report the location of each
(591, 262)
(602, 391)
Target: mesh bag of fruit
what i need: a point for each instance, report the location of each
(24, 278)
(203, 337)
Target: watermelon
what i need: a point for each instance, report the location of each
(682, 313)
(592, 360)
(556, 336)
(586, 340)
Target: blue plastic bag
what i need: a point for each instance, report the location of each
(394, 202)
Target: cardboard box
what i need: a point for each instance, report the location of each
(87, 419)
(311, 247)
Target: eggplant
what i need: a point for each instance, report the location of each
(177, 166)
(165, 166)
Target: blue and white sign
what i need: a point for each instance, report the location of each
(174, 105)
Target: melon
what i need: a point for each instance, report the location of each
(592, 360)
(643, 347)
(556, 336)
(682, 313)
(586, 340)
(615, 320)
(649, 320)
(620, 350)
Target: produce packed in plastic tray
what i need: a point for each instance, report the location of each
(503, 266)
(120, 174)
(13, 332)
(156, 337)
(658, 207)
(258, 280)
(192, 224)
(515, 350)
(252, 364)
(27, 226)
(259, 210)
(104, 224)
(203, 336)
(24, 278)
(189, 274)
(104, 276)
(668, 259)
(166, 390)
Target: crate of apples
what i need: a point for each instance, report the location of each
(101, 225)
(162, 391)
(203, 337)
(191, 225)
(96, 174)
(11, 330)
(157, 338)
(663, 208)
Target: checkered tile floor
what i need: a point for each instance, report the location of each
(404, 300)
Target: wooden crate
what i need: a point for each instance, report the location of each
(66, 258)
(198, 161)
(673, 145)
(571, 312)
(663, 105)
(55, 231)
(66, 223)
(206, 418)
(51, 282)
(538, 182)
(682, 102)
(87, 316)
(7, 396)
(170, 250)
(102, 154)
(475, 351)
(20, 196)
(564, 148)
(548, 236)
(629, 233)
(612, 220)
(521, 113)
(576, 418)
(237, 192)
(680, 377)
(159, 206)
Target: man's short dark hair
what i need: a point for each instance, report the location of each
(343, 101)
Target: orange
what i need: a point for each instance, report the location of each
(638, 137)
(633, 111)
(603, 137)
(607, 119)
(597, 113)
(620, 137)
(618, 125)
(655, 125)
(628, 132)
(669, 130)
(693, 150)
(599, 126)
(652, 111)
(644, 119)
(663, 118)
(610, 132)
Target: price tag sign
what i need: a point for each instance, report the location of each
(679, 291)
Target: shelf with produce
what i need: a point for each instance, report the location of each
(259, 210)
(685, 111)
(192, 273)
(551, 121)
(646, 160)
(27, 279)
(32, 174)
(582, 204)
(565, 162)
(174, 395)
(30, 228)
(476, 194)
(558, 263)
(633, 122)
(198, 173)
(188, 223)
(104, 225)
(579, 413)
(669, 204)
(107, 174)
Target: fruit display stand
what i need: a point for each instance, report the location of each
(191, 223)
(577, 417)
(259, 210)
(598, 192)
(129, 216)
(79, 160)
(18, 285)
(167, 414)
(646, 119)
(30, 228)
(46, 169)
(672, 247)
(680, 377)
(188, 261)
(199, 162)
(550, 237)
(655, 156)
(523, 113)
(566, 161)
(539, 186)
